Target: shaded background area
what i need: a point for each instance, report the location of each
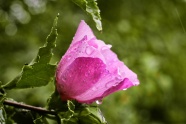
(149, 36)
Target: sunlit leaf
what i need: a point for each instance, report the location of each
(39, 72)
(90, 6)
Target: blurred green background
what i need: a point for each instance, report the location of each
(148, 35)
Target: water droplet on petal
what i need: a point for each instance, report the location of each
(125, 89)
(64, 78)
(109, 84)
(68, 57)
(94, 88)
(89, 50)
(104, 48)
(99, 102)
(118, 69)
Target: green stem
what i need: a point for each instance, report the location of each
(29, 107)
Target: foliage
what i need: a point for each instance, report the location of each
(90, 6)
(149, 36)
(36, 74)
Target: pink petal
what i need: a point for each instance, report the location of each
(80, 76)
(87, 55)
(83, 30)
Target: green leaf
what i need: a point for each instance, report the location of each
(73, 120)
(39, 72)
(90, 6)
(2, 116)
(55, 103)
(18, 116)
(71, 106)
(91, 114)
(41, 120)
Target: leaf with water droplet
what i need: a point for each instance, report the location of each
(91, 7)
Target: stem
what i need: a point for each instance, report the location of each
(29, 107)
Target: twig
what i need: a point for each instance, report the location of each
(29, 107)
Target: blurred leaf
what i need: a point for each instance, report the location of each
(2, 116)
(2, 98)
(39, 72)
(90, 6)
(17, 116)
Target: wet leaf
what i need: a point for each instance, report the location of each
(91, 7)
(39, 72)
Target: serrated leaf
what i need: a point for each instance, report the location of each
(41, 120)
(91, 7)
(73, 120)
(71, 106)
(39, 72)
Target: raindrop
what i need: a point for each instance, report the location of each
(84, 81)
(70, 75)
(118, 71)
(68, 57)
(64, 79)
(109, 84)
(86, 74)
(99, 102)
(94, 88)
(89, 50)
(104, 48)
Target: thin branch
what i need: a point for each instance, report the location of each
(29, 107)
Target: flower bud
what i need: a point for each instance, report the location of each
(90, 70)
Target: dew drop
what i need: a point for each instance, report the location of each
(68, 57)
(64, 79)
(94, 88)
(98, 102)
(118, 71)
(86, 74)
(104, 48)
(109, 84)
(89, 50)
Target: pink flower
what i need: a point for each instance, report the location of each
(89, 70)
